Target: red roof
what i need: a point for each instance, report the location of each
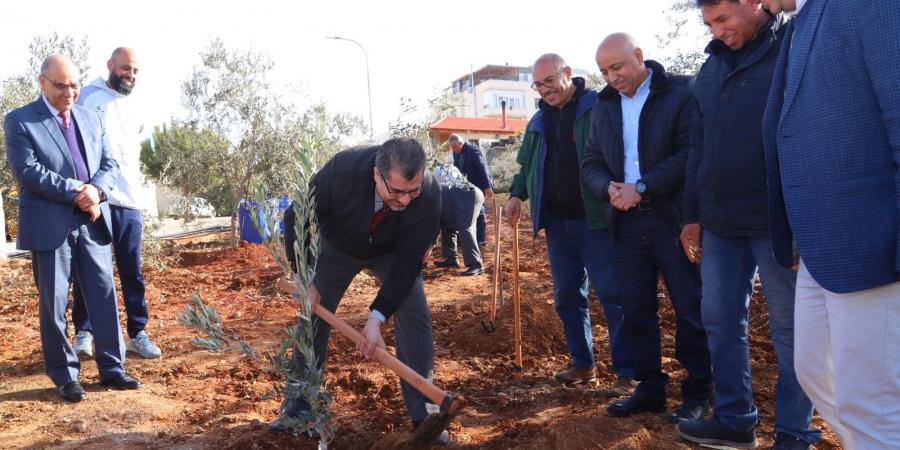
(479, 124)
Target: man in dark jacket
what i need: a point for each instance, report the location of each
(377, 208)
(725, 200)
(460, 203)
(469, 160)
(635, 158)
(578, 244)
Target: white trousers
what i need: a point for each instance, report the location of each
(847, 358)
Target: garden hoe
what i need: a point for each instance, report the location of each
(498, 217)
(427, 432)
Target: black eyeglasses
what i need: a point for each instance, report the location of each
(397, 193)
(538, 85)
(62, 86)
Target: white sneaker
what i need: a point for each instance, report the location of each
(142, 345)
(84, 343)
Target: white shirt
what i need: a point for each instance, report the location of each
(631, 116)
(123, 131)
(800, 4)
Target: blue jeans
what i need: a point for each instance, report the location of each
(578, 253)
(727, 269)
(126, 242)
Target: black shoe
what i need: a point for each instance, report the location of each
(713, 432)
(72, 392)
(441, 439)
(474, 269)
(121, 381)
(290, 411)
(636, 404)
(786, 441)
(688, 411)
(447, 264)
(482, 243)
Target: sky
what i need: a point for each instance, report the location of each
(415, 48)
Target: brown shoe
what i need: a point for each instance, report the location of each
(576, 375)
(624, 387)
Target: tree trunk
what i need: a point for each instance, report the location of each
(236, 224)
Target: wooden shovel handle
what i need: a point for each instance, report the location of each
(434, 393)
(498, 217)
(517, 314)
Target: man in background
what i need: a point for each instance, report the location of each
(110, 98)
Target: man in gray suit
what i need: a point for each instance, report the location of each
(59, 153)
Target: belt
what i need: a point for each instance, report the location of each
(646, 204)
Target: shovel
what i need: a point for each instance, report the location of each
(428, 431)
(498, 217)
(517, 310)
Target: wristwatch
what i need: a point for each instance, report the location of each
(640, 187)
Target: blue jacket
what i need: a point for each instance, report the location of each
(725, 184)
(40, 161)
(663, 143)
(832, 139)
(473, 167)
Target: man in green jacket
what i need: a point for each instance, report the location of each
(578, 243)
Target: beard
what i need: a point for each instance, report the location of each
(119, 84)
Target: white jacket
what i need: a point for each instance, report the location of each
(123, 128)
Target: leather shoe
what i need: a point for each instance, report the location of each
(121, 381)
(623, 388)
(447, 264)
(636, 404)
(688, 411)
(576, 375)
(72, 392)
(474, 269)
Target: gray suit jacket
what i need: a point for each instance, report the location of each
(40, 160)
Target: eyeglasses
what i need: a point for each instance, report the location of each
(62, 86)
(397, 193)
(538, 85)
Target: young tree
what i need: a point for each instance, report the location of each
(187, 159)
(683, 43)
(230, 94)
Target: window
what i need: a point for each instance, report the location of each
(495, 99)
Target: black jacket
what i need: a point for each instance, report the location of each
(663, 143)
(725, 184)
(474, 167)
(345, 205)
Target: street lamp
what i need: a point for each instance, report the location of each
(368, 84)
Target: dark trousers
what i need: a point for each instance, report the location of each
(127, 228)
(646, 244)
(412, 325)
(85, 254)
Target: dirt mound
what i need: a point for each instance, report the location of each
(244, 255)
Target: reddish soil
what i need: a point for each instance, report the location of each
(192, 398)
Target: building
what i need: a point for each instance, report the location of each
(486, 105)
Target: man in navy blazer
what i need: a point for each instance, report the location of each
(60, 155)
(832, 139)
(468, 159)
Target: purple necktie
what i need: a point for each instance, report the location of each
(68, 131)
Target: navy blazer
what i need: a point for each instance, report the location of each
(40, 160)
(832, 140)
(474, 168)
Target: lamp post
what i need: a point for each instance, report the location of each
(368, 84)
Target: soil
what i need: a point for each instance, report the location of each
(195, 399)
